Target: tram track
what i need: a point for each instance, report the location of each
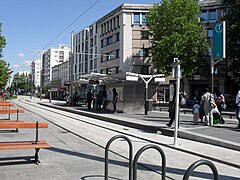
(76, 134)
(116, 131)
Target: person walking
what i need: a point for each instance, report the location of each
(104, 100)
(99, 100)
(115, 99)
(89, 98)
(172, 108)
(220, 102)
(207, 99)
(196, 109)
(238, 108)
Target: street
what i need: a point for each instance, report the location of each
(78, 145)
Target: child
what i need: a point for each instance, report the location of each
(196, 108)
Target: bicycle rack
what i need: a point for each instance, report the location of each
(140, 151)
(199, 163)
(130, 154)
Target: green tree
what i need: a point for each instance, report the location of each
(22, 82)
(177, 33)
(4, 73)
(2, 41)
(231, 9)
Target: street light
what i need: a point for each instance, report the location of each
(177, 74)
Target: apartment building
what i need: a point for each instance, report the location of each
(51, 58)
(60, 79)
(124, 40)
(211, 13)
(86, 53)
(36, 73)
(113, 45)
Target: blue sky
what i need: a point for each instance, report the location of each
(32, 24)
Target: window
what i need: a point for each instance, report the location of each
(144, 19)
(91, 64)
(104, 28)
(117, 53)
(110, 25)
(117, 37)
(204, 16)
(110, 56)
(136, 19)
(109, 40)
(95, 63)
(113, 23)
(212, 16)
(209, 33)
(117, 22)
(144, 52)
(144, 34)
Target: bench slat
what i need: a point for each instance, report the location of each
(23, 145)
(6, 111)
(6, 104)
(22, 124)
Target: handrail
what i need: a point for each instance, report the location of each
(130, 155)
(140, 152)
(199, 163)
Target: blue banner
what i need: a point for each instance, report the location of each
(219, 41)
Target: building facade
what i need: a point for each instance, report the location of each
(60, 78)
(124, 40)
(36, 74)
(211, 14)
(51, 58)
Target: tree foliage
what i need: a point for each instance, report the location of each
(22, 82)
(231, 9)
(177, 33)
(4, 73)
(2, 42)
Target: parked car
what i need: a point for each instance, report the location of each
(190, 101)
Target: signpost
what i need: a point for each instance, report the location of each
(177, 74)
(218, 47)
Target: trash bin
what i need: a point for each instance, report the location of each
(149, 103)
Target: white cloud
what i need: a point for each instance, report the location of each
(16, 66)
(20, 55)
(27, 63)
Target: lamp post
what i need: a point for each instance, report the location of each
(177, 74)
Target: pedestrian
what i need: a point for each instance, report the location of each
(207, 99)
(196, 109)
(104, 100)
(99, 100)
(172, 108)
(201, 111)
(220, 102)
(115, 99)
(238, 108)
(89, 98)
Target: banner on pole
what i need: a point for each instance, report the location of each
(219, 42)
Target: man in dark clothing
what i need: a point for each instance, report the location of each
(115, 98)
(89, 98)
(99, 100)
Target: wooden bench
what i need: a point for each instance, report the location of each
(11, 111)
(6, 105)
(37, 144)
(3, 101)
